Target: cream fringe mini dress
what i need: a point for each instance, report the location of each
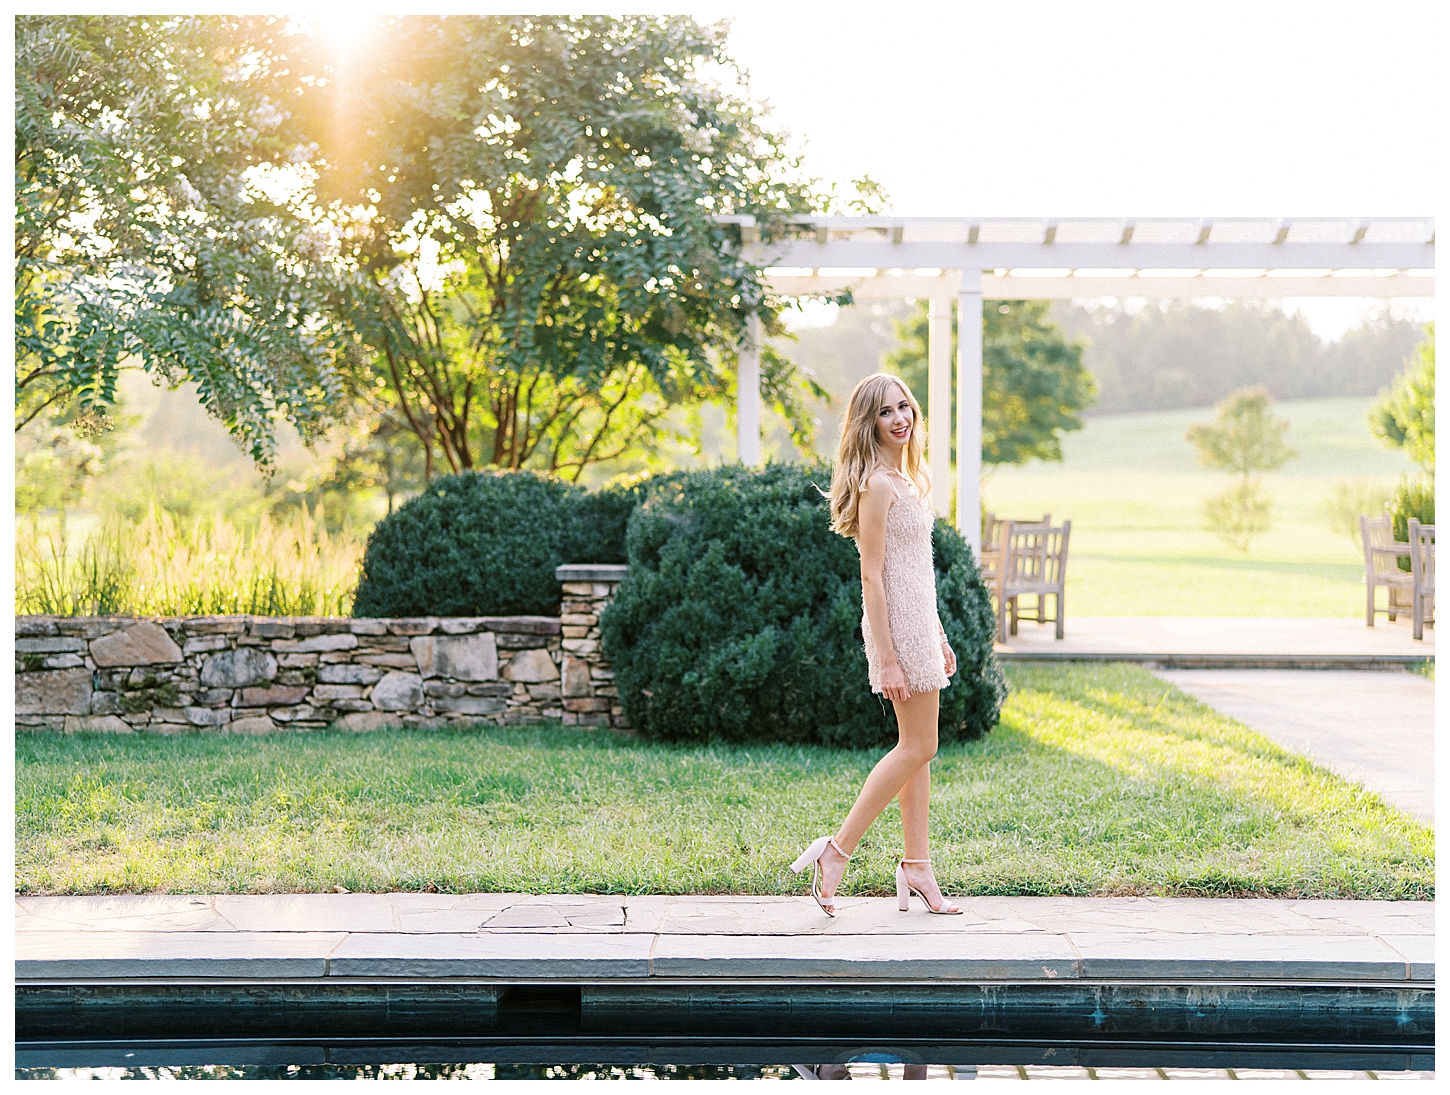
(910, 583)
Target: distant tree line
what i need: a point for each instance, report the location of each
(1181, 354)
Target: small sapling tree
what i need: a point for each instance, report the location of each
(1244, 439)
(1404, 418)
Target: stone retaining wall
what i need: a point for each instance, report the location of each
(256, 674)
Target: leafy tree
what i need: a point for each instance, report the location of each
(53, 466)
(1034, 385)
(1244, 439)
(1404, 417)
(378, 452)
(527, 204)
(153, 220)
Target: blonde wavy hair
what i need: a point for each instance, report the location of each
(859, 452)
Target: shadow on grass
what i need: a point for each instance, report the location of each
(1250, 810)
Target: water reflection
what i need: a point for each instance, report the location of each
(852, 1070)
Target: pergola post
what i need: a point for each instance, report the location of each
(969, 410)
(939, 403)
(747, 395)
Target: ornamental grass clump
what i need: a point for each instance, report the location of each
(740, 618)
(160, 566)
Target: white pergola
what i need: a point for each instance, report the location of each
(960, 262)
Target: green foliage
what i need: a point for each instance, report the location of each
(474, 544)
(529, 203)
(148, 223)
(378, 453)
(1405, 415)
(53, 467)
(740, 618)
(598, 521)
(1239, 514)
(1413, 497)
(1244, 439)
(487, 544)
(1350, 499)
(1034, 385)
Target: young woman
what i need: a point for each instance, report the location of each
(879, 497)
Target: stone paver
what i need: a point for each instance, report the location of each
(603, 937)
(1375, 728)
(1219, 636)
(110, 954)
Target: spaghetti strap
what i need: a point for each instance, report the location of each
(891, 481)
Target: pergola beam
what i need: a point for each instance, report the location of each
(883, 254)
(972, 260)
(908, 284)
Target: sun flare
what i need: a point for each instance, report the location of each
(345, 33)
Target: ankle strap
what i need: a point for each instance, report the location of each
(839, 849)
(915, 861)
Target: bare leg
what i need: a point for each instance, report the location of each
(913, 798)
(916, 722)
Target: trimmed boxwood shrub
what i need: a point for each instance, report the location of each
(740, 618)
(486, 544)
(595, 521)
(474, 544)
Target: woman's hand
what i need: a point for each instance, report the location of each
(949, 656)
(893, 682)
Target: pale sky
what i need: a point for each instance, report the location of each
(1108, 109)
(1168, 108)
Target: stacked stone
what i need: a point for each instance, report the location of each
(251, 674)
(590, 696)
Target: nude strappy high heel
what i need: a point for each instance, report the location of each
(905, 889)
(811, 857)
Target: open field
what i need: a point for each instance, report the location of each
(1100, 780)
(1133, 492)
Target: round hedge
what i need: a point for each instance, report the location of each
(486, 544)
(740, 618)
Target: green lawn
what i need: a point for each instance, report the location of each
(1131, 487)
(1100, 780)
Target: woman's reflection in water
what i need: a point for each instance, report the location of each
(843, 1072)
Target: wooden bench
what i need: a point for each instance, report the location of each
(1422, 571)
(1382, 555)
(1034, 563)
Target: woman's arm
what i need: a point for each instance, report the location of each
(874, 504)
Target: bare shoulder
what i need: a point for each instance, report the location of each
(879, 484)
(875, 499)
